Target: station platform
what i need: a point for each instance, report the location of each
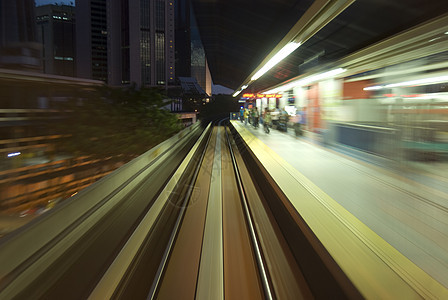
(405, 207)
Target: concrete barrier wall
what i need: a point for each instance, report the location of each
(19, 246)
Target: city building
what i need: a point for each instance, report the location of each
(18, 45)
(32, 171)
(191, 60)
(56, 33)
(199, 65)
(126, 41)
(183, 37)
(91, 37)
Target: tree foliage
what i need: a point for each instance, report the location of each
(117, 122)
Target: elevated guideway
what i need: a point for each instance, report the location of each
(212, 213)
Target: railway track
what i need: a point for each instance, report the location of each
(224, 242)
(204, 222)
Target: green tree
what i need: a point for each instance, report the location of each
(117, 122)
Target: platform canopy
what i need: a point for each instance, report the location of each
(239, 34)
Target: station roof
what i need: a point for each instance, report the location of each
(239, 34)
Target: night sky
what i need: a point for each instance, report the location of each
(43, 2)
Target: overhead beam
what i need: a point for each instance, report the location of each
(320, 13)
(425, 39)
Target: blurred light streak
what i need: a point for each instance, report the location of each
(14, 154)
(283, 53)
(237, 93)
(424, 81)
(321, 76)
(372, 88)
(310, 79)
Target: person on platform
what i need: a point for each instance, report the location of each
(246, 116)
(242, 114)
(255, 117)
(298, 124)
(267, 120)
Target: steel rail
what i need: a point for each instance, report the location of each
(261, 264)
(158, 277)
(115, 280)
(210, 276)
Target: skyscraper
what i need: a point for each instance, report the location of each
(199, 66)
(56, 32)
(92, 39)
(190, 55)
(183, 37)
(130, 41)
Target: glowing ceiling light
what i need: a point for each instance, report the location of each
(240, 90)
(310, 79)
(283, 53)
(373, 88)
(424, 81)
(236, 93)
(325, 75)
